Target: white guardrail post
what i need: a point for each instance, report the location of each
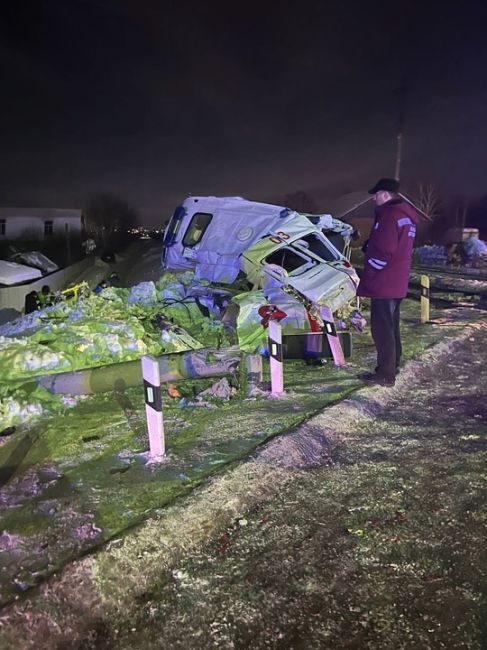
(425, 298)
(153, 405)
(275, 356)
(332, 336)
(253, 371)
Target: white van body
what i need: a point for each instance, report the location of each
(13, 273)
(219, 238)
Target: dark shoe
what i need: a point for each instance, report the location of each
(374, 378)
(398, 370)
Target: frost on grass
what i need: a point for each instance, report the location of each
(171, 532)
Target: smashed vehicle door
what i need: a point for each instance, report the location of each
(307, 263)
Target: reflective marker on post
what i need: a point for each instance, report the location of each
(332, 336)
(153, 405)
(425, 298)
(275, 354)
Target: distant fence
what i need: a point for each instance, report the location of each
(14, 297)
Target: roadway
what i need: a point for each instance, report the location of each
(139, 262)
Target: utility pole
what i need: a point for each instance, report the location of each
(402, 93)
(464, 212)
(68, 244)
(397, 171)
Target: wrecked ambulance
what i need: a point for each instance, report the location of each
(285, 259)
(222, 239)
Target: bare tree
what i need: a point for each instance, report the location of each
(107, 213)
(428, 200)
(461, 214)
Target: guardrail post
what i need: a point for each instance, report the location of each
(275, 355)
(332, 336)
(425, 298)
(153, 405)
(253, 372)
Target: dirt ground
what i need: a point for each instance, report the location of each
(374, 542)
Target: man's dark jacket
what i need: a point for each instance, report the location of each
(389, 251)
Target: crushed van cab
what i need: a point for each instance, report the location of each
(303, 260)
(222, 238)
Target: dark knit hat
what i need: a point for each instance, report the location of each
(385, 185)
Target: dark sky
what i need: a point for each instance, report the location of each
(156, 100)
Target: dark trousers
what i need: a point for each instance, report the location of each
(384, 325)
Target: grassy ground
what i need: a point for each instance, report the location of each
(77, 479)
(384, 548)
(81, 484)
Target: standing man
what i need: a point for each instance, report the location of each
(90, 246)
(31, 302)
(385, 278)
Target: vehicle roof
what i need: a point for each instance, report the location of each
(234, 203)
(13, 273)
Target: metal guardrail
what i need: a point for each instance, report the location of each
(461, 272)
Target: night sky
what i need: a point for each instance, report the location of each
(155, 100)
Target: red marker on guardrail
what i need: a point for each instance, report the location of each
(271, 315)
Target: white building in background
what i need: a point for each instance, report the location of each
(18, 223)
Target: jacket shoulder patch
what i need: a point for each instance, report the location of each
(405, 221)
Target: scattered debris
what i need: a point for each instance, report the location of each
(220, 390)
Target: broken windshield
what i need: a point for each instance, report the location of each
(316, 246)
(291, 261)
